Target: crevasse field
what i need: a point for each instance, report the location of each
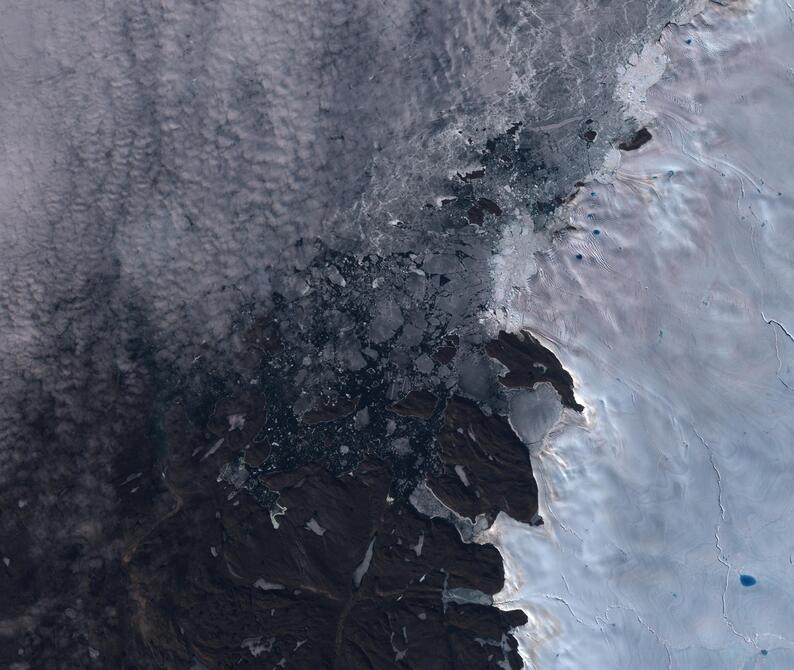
(668, 536)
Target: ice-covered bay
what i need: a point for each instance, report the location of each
(677, 325)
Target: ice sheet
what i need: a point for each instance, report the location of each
(677, 326)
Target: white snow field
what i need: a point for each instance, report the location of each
(676, 487)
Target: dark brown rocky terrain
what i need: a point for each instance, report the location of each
(320, 564)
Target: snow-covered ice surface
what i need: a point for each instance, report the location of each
(677, 326)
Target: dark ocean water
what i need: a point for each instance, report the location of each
(186, 184)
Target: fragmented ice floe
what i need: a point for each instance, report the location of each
(667, 541)
(265, 585)
(256, 646)
(417, 548)
(361, 569)
(464, 596)
(236, 421)
(534, 413)
(426, 502)
(315, 527)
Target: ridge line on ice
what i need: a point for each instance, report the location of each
(718, 542)
(775, 322)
